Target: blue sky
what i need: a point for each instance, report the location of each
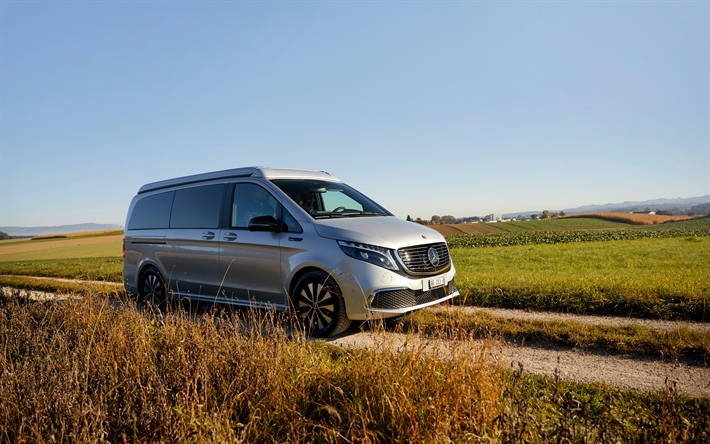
(462, 108)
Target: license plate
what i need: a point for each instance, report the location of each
(436, 282)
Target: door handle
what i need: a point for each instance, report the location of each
(207, 235)
(230, 236)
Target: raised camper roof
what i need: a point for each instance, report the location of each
(261, 172)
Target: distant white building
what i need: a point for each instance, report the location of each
(493, 218)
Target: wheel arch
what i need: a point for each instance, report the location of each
(302, 272)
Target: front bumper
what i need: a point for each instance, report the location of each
(373, 292)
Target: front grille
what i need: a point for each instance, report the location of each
(410, 298)
(415, 258)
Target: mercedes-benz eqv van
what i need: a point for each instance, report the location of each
(290, 239)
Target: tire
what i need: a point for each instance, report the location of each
(152, 290)
(318, 303)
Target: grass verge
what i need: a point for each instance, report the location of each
(85, 370)
(109, 269)
(83, 288)
(675, 344)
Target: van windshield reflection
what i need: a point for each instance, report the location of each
(322, 199)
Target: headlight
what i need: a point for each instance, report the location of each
(369, 253)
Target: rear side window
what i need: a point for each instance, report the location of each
(152, 212)
(197, 207)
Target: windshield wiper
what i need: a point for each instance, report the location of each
(364, 213)
(328, 216)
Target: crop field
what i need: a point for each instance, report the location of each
(88, 370)
(471, 228)
(80, 234)
(631, 218)
(93, 250)
(561, 224)
(690, 228)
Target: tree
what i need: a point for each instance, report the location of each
(524, 218)
(409, 218)
(533, 217)
(449, 219)
(545, 214)
(562, 213)
(555, 214)
(648, 210)
(4, 236)
(664, 212)
(435, 219)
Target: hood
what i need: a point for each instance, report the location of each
(388, 232)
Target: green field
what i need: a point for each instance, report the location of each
(94, 269)
(663, 278)
(103, 249)
(560, 224)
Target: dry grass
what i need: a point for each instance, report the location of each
(80, 234)
(629, 218)
(92, 370)
(86, 371)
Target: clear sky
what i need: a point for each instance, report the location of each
(462, 108)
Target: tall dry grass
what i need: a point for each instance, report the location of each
(94, 371)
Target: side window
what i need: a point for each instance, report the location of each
(251, 201)
(197, 207)
(289, 224)
(152, 212)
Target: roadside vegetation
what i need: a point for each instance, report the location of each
(86, 370)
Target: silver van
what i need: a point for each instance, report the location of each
(289, 239)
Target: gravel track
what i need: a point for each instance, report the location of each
(630, 371)
(614, 321)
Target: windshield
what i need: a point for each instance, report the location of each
(323, 199)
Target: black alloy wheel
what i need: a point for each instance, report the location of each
(153, 291)
(319, 304)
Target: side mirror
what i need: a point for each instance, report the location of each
(263, 223)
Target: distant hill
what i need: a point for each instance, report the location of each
(628, 206)
(59, 229)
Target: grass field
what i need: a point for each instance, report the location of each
(86, 370)
(103, 249)
(95, 269)
(662, 278)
